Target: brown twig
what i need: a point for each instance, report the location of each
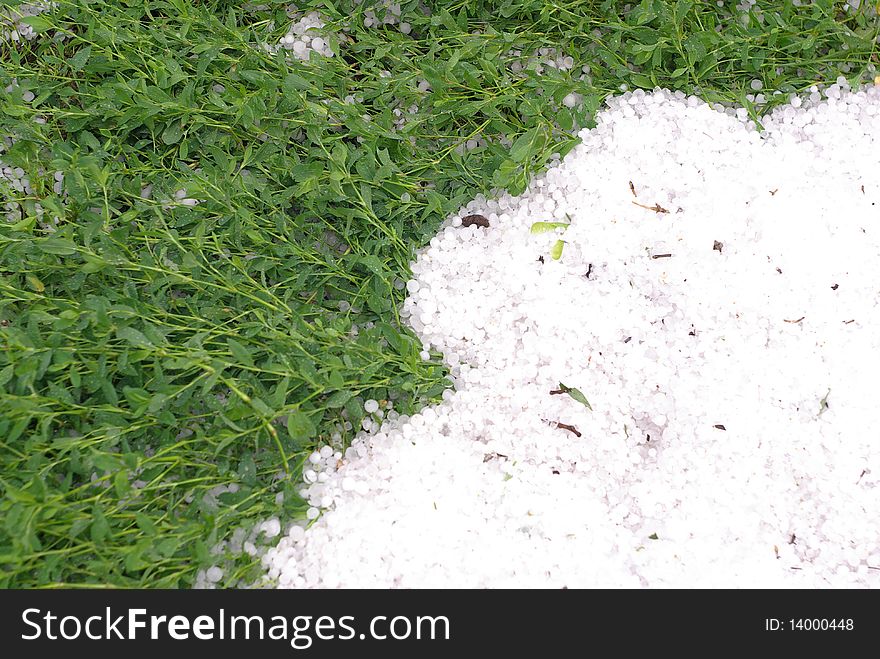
(657, 208)
(794, 321)
(565, 426)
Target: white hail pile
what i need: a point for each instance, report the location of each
(305, 35)
(391, 13)
(12, 24)
(15, 184)
(719, 314)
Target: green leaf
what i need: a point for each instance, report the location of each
(260, 406)
(78, 61)
(300, 426)
(335, 379)
(100, 528)
(79, 525)
(121, 484)
(59, 246)
(556, 250)
(294, 81)
(544, 227)
(247, 469)
(35, 283)
(505, 174)
(339, 398)
(134, 337)
(6, 375)
(15, 494)
(372, 263)
(525, 145)
(38, 23)
(137, 397)
(577, 395)
(169, 546)
(279, 396)
(241, 354)
(682, 7)
(145, 524)
(172, 133)
(134, 559)
(339, 154)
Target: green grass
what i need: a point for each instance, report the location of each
(180, 348)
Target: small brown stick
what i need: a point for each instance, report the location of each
(773, 192)
(657, 208)
(632, 188)
(568, 427)
(660, 256)
(794, 321)
(556, 392)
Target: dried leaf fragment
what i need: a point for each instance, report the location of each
(474, 220)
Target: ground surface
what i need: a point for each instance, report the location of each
(208, 226)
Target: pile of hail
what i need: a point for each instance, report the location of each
(664, 357)
(13, 26)
(305, 35)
